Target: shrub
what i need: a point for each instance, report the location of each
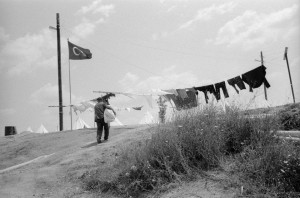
(275, 165)
(195, 140)
(290, 117)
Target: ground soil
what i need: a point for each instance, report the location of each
(56, 161)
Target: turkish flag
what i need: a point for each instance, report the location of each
(78, 53)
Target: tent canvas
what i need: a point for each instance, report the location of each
(116, 122)
(80, 124)
(42, 129)
(147, 119)
(29, 129)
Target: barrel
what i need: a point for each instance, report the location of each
(10, 130)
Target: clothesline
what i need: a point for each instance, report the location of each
(187, 97)
(89, 105)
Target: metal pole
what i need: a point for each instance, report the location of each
(70, 95)
(287, 62)
(61, 128)
(262, 63)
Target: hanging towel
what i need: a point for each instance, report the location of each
(182, 93)
(205, 89)
(172, 91)
(218, 86)
(149, 100)
(256, 77)
(236, 81)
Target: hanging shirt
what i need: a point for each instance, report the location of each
(236, 81)
(256, 77)
(182, 93)
(99, 110)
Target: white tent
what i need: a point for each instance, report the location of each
(29, 130)
(147, 119)
(42, 129)
(80, 124)
(116, 122)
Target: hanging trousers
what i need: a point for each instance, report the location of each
(218, 86)
(205, 89)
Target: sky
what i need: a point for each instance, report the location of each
(137, 46)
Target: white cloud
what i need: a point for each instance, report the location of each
(169, 79)
(171, 8)
(252, 28)
(89, 8)
(105, 10)
(85, 28)
(97, 7)
(27, 53)
(208, 13)
(128, 81)
(48, 95)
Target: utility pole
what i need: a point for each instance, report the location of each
(262, 63)
(61, 125)
(285, 57)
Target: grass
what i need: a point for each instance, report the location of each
(198, 140)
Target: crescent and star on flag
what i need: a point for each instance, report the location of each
(78, 53)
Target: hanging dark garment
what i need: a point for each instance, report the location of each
(236, 81)
(192, 89)
(182, 93)
(256, 77)
(176, 99)
(218, 86)
(191, 100)
(205, 89)
(186, 103)
(137, 108)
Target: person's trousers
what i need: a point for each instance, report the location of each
(100, 125)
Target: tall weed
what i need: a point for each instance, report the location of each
(195, 140)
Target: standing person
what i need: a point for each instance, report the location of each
(99, 119)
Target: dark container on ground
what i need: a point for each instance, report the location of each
(10, 130)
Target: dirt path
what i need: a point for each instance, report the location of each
(75, 153)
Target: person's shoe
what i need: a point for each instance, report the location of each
(98, 141)
(105, 140)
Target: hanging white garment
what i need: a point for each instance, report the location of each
(149, 100)
(171, 91)
(158, 92)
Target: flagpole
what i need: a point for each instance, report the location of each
(70, 95)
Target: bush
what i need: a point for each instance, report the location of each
(195, 140)
(275, 165)
(290, 117)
